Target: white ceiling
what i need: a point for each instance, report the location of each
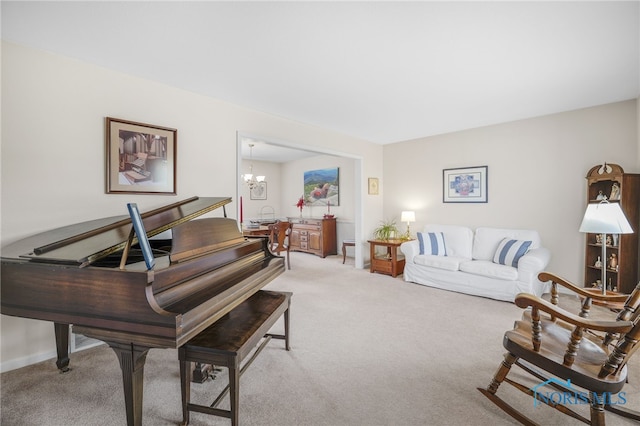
(381, 71)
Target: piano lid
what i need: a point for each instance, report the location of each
(83, 243)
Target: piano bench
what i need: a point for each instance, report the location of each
(227, 342)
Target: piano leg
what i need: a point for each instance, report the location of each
(62, 346)
(132, 359)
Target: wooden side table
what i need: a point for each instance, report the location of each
(390, 263)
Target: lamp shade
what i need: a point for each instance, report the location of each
(408, 216)
(605, 218)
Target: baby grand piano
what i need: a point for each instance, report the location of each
(73, 275)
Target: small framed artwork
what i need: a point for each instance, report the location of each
(465, 185)
(141, 158)
(373, 186)
(258, 192)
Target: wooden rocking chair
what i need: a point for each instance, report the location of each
(584, 359)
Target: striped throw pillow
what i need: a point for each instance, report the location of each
(432, 243)
(510, 251)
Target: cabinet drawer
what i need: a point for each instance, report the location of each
(307, 228)
(382, 265)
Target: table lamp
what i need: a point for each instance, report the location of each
(605, 218)
(408, 216)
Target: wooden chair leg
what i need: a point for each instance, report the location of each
(597, 409)
(498, 378)
(502, 372)
(288, 261)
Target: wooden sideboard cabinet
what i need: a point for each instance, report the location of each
(313, 235)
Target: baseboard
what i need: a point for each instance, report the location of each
(14, 364)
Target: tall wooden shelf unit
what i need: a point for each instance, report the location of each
(600, 181)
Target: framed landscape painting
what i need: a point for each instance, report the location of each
(322, 187)
(465, 185)
(141, 158)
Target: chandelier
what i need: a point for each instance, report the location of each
(249, 178)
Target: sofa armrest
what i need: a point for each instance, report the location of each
(411, 249)
(532, 263)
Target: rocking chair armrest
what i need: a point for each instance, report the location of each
(524, 300)
(548, 276)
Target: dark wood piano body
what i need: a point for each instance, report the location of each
(72, 275)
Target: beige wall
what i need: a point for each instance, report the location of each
(287, 178)
(345, 213)
(536, 174)
(53, 111)
(253, 208)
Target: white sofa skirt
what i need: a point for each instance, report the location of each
(475, 285)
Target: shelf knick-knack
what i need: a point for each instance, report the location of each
(615, 192)
(598, 263)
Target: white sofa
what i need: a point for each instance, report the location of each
(470, 264)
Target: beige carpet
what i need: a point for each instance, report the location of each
(367, 349)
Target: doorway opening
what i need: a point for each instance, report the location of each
(267, 150)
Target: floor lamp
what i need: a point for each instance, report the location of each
(605, 218)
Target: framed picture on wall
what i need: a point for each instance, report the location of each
(373, 186)
(141, 158)
(465, 185)
(322, 187)
(258, 192)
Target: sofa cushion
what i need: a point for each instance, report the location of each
(489, 269)
(510, 251)
(432, 243)
(449, 263)
(459, 239)
(486, 240)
